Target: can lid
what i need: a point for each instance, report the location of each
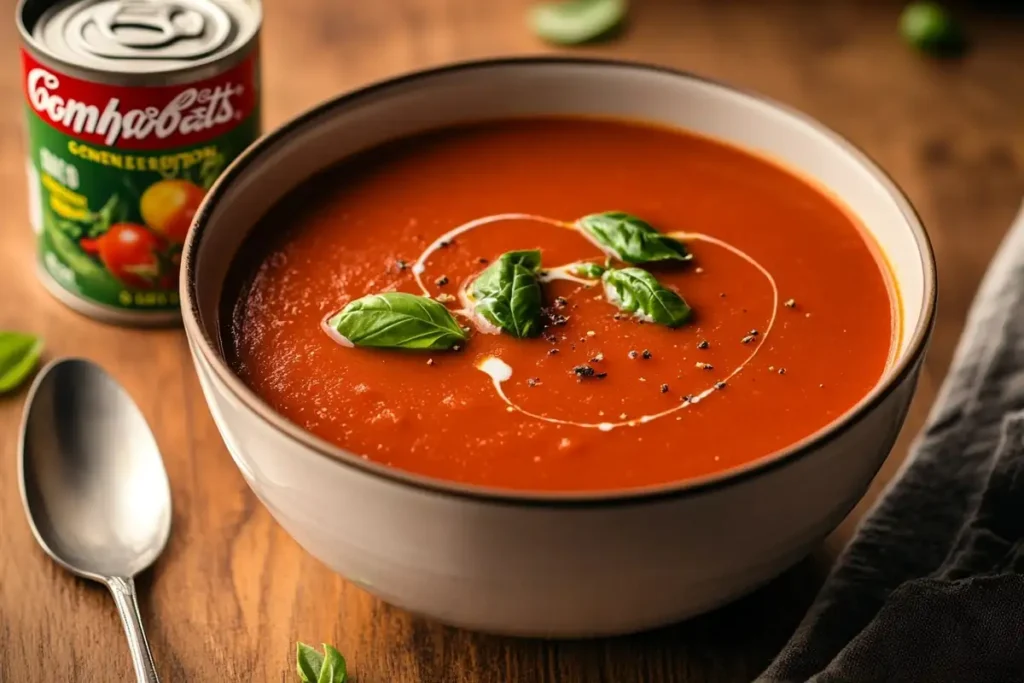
(144, 36)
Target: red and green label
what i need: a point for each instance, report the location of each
(116, 175)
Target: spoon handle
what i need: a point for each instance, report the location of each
(123, 590)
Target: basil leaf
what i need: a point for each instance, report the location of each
(334, 669)
(571, 22)
(930, 28)
(310, 663)
(636, 291)
(587, 269)
(507, 294)
(397, 320)
(19, 354)
(631, 239)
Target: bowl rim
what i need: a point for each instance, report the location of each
(204, 345)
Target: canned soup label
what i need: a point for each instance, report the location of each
(120, 172)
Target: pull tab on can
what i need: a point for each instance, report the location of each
(149, 29)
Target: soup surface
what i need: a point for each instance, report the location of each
(792, 317)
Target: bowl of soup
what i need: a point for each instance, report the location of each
(557, 347)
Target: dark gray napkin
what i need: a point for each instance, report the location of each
(931, 588)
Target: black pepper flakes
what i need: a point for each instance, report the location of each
(705, 366)
(703, 344)
(552, 352)
(430, 361)
(782, 371)
(483, 261)
(598, 358)
(601, 375)
(646, 354)
(754, 333)
(401, 265)
(746, 340)
(558, 319)
(719, 385)
(633, 354)
(533, 381)
(583, 371)
(617, 316)
(688, 398)
(446, 243)
(790, 303)
(560, 302)
(664, 388)
(441, 281)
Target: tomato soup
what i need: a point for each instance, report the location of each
(730, 310)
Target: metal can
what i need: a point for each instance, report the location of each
(133, 109)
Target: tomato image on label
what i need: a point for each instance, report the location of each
(131, 253)
(167, 206)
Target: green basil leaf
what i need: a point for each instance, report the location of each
(334, 669)
(397, 320)
(587, 269)
(636, 291)
(929, 27)
(571, 22)
(19, 355)
(631, 239)
(507, 294)
(310, 663)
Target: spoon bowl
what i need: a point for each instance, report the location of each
(94, 485)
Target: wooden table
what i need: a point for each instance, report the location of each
(233, 592)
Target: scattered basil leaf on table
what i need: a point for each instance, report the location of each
(316, 668)
(930, 28)
(397, 320)
(631, 239)
(334, 669)
(19, 354)
(572, 22)
(310, 662)
(507, 294)
(636, 291)
(587, 269)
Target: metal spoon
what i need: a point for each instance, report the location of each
(94, 486)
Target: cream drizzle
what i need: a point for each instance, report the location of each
(501, 372)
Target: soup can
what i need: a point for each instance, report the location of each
(133, 109)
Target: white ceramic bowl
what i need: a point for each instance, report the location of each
(550, 565)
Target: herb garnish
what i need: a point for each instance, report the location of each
(398, 320)
(929, 27)
(314, 667)
(19, 354)
(572, 22)
(507, 294)
(587, 269)
(638, 292)
(631, 239)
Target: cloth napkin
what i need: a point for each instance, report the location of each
(931, 588)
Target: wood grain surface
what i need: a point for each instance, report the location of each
(233, 592)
